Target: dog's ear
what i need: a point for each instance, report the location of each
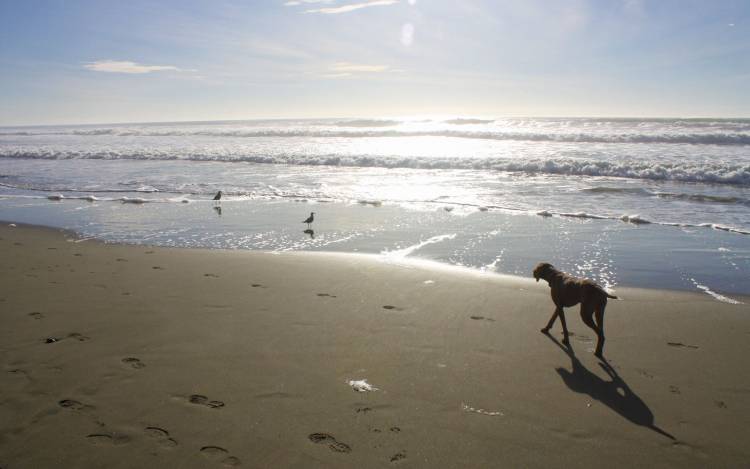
(541, 269)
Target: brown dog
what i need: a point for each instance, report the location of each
(569, 291)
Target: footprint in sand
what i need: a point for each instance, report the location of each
(680, 344)
(75, 405)
(106, 439)
(211, 275)
(200, 399)
(326, 294)
(391, 307)
(645, 373)
(157, 267)
(481, 318)
(674, 389)
(333, 444)
(161, 436)
(149, 252)
(364, 410)
(395, 429)
(36, 315)
(51, 340)
(121, 259)
(398, 456)
(257, 285)
(78, 337)
(217, 453)
(720, 404)
(133, 362)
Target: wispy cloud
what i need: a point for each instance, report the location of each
(352, 7)
(124, 66)
(348, 69)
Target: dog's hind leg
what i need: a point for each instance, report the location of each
(587, 315)
(600, 325)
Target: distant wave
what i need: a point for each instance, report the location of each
(469, 121)
(367, 123)
(716, 138)
(713, 173)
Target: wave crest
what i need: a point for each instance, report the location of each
(712, 173)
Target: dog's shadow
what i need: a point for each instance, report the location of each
(615, 394)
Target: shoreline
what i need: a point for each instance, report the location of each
(415, 262)
(168, 357)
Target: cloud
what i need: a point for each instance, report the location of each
(347, 67)
(124, 66)
(352, 7)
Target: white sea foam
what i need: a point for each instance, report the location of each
(635, 219)
(361, 385)
(404, 252)
(718, 296)
(730, 229)
(490, 413)
(584, 215)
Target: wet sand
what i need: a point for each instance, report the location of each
(131, 356)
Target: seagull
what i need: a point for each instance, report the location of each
(217, 196)
(309, 219)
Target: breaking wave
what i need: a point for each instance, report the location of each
(713, 173)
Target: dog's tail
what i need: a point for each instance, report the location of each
(611, 296)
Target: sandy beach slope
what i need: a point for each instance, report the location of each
(118, 356)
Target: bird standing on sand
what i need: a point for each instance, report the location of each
(309, 219)
(217, 196)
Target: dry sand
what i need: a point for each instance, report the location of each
(189, 358)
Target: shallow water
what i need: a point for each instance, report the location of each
(611, 251)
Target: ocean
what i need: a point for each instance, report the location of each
(655, 203)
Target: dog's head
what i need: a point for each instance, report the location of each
(543, 270)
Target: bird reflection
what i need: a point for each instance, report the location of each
(217, 209)
(310, 232)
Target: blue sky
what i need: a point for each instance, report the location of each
(111, 61)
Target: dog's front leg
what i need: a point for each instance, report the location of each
(546, 328)
(565, 327)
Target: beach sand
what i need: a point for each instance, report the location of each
(195, 358)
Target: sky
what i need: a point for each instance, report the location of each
(106, 61)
